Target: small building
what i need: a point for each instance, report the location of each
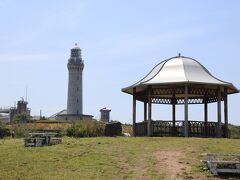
(181, 81)
(20, 109)
(8, 114)
(62, 115)
(105, 114)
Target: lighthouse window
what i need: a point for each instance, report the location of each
(77, 89)
(77, 77)
(77, 100)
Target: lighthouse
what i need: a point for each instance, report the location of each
(75, 83)
(74, 111)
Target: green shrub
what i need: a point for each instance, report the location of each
(23, 117)
(4, 131)
(234, 131)
(86, 128)
(19, 131)
(127, 128)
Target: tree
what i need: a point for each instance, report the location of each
(4, 131)
(23, 117)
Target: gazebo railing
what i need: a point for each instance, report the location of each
(141, 129)
(166, 128)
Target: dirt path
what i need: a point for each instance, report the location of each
(170, 162)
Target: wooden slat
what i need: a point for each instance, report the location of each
(225, 162)
(235, 171)
(219, 154)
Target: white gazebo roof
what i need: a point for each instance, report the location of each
(179, 70)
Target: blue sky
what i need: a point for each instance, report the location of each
(121, 42)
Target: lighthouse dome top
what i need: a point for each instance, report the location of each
(179, 70)
(75, 46)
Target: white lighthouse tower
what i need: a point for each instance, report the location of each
(75, 94)
(74, 109)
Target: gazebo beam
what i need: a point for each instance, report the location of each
(186, 111)
(219, 113)
(134, 112)
(149, 126)
(226, 112)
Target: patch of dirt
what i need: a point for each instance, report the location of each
(170, 162)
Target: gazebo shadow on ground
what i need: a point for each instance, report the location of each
(229, 176)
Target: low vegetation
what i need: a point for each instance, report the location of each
(86, 129)
(4, 130)
(127, 128)
(22, 118)
(234, 131)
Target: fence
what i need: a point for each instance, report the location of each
(166, 128)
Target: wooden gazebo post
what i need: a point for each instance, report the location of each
(205, 116)
(145, 111)
(174, 114)
(186, 111)
(219, 112)
(149, 126)
(226, 113)
(134, 112)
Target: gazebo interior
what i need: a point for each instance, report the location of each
(181, 81)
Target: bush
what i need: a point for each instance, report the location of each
(86, 128)
(23, 117)
(4, 131)
(234, 131)
(19, 130)
(127, 128)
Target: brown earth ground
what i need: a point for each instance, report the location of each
(174, 166)
(170, 161)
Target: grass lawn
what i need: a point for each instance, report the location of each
(111, 158)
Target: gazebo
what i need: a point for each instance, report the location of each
(180, 81)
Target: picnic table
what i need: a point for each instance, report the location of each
(42, 139)
(222, 163)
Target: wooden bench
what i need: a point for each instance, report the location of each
(222, 163)
(33, 142)
(42, 139)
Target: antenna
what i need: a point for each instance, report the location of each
(26, 92)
